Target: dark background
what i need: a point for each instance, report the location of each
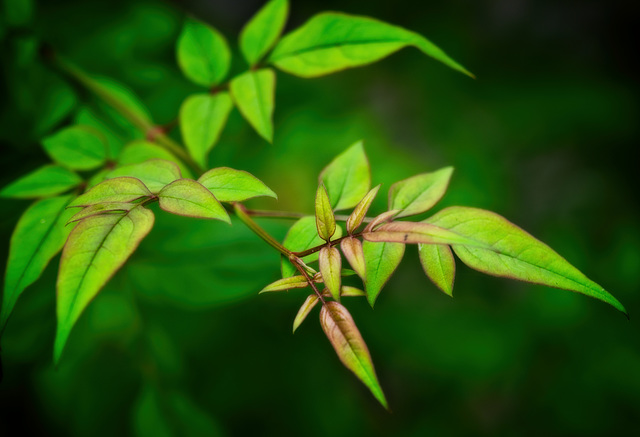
(179, 342)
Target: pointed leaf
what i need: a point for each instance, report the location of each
(97, 247)
(48, 180)
(102, 208)
(332, 41)
(253, 93)
(38, 237)
(413, 233)
(263, 30)
(347, 177)
(330, 265)
(347, 291)
(202, 118)
(141, 151)
(341, 330)
(360, 211)
(203, 54)
(286, 284)
(503, 249)
(76, 147)
(352, 250)
(122, 189)
(325, 220)
(380, 220)
(439, 265)
(419, 193)
(310, 302)
(381, 260)
(155, 173)
(189, 198)
(229, 185)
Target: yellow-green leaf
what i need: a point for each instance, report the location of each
(310, 302)
(330, 265)
(286, 284)
(140, 151)
(102, 208)
(381, 260)
(360, 211)
(419, 193)
(189, 198)
(254, 94)
(230, 185)
(263, 30)
(122, 189)
(154, 173)
(439, 265)
(325, 220)
(76, 147)
(48, 180)
(347, 177)
(353, 252)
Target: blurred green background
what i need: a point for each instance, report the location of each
(179, 343)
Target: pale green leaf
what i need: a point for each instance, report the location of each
(38, 237)
(263, 30)
(310, 302)
(303, 235)
(96, 248)
(189, 198)
(253, 93)
(342, 332)
(415, 233)
(503, 249)
(332, 41)
(419, 193)
(139, 151)
(325, 220)
(48, 180)
(230, 185)
(286, 284)
(360, 211)
(102, 208)
(352, 250)
(202, 118)
(439, 265)
(347, 177)
(76, 147)
(330, 265)
(154, 173)
(381, 260)
(203, 54)
(347, 291)
(122, 189)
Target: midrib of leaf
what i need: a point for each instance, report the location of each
(344, 182)
(207, 62)
(337, 45)
(185, 200)
(203, 126)
(254, 78)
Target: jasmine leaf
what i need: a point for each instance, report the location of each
(48, 180)
(413, 233)
(360, 211)
(203, 54)
(325, 220)
(263, 30)
(379, 220)
(254, 94)
(347, 177)
(154, 173)
(140, 151)
(102, 208)
(353, 252)
(121, 189)
(381, 260)
(347, 291)
(419, 193)
(330, 265)
(76, 147)
(310, 302)
(230, 185)
(189, 198)
(439, 265)
(286, 284)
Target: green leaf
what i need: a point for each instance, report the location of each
(155, 173)
(189, 198)
(202, 118)
(140, 151)
(503, 249)
(253, 92)
(360, 211)
(48, 180)
(310, 302)
(97, 247)
(122, 189)
(379, 220)
(102, 208)
(415, 233)
(230, 185)
(346, 291)
(330, 266)
(122, 101)
(325, 220)
(439, 265)
(347, 177)
(381, 260)
(419, 193)
(332, 41)
(342, 332)
(203, 54)
(352, 250)
(263, 30)
(286, 284)
(38, 237)
(76, 147)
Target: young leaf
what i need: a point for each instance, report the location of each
(381, 260)
(48, 180)
(325, 220)
(414, 233)
(76, 147)
(360, 211)
(102, 208)
(330, 265)
(439, 265)
(310, 302)
(262, 31)
(253, 92)
(286, 284)
(202, 118)
(503, 249)
(123, 189)
(347, 177)
(189, 198)
(203, 54)
(155, 173)
(97, 247)
(137, 152)
(229, 185)
(346, 291)
(38, 237)
(332, 41)
(341, 330)
(380, 220)
(352, 250)
(419, 193)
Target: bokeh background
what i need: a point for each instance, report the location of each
(179, 343)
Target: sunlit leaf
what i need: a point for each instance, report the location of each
(439, 265)
(230, 185)
(332, 41)
(263, 30)
(140, 151)
(202, 118)
(379, 220)
(254, 95)
(352, 250)
(414, 233)
(503, 249)
(347, 177)
(102, 208)
(48, 180)
(203, 54)
(419, 193)
(189, 198)
(341, 330)
(154, 173)
(38, 237)
(310, 302)
(330, 265)
(286, 284)
(122, 189)
(381, 260)
(360, 211)
(325, 220)
(96, 248)
(76, 147)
